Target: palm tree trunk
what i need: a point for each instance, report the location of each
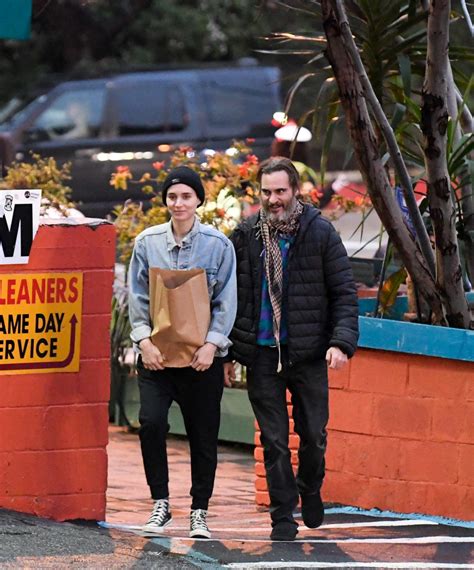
(367, 153)
(434, 122)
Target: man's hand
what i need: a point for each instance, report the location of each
(335, 358)
(204, 357)
(151, 356)
(229, 373)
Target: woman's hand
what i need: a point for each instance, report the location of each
(151, 356)
(204, 357)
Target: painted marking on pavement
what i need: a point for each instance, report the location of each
(291, 564)
(391, 514)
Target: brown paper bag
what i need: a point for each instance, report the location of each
(180, 313)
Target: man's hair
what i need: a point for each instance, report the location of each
(277, 164)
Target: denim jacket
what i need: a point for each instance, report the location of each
(202, 247)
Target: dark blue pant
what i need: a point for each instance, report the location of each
(198, 394)
(308, 385)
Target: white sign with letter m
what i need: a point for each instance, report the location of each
(19, 221)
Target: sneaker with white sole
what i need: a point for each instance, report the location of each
(198, 524)
(160, 516)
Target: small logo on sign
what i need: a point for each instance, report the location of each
(8, 202)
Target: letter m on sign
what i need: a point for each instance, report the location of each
(22, 221)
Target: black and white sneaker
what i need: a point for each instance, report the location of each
(198, 524)
(160, 516)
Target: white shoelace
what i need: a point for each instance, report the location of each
(198, 520)
(159, 513)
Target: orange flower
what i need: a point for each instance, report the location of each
(243, 170)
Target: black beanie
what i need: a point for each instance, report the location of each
(183, 175)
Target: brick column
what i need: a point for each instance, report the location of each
(54, 425)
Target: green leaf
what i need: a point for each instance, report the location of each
(326, 148)
(398, 114)
(294, 88)
(389, 290)
(405, 70)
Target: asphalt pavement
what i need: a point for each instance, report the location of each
(348, 538)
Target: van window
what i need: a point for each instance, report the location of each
(150, 107)
(73, 115)
(232, 103)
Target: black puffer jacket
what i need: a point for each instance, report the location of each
(322, 299)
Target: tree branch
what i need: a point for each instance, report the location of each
(384, 125)
(467, 16)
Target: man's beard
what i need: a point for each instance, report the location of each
(283, 216)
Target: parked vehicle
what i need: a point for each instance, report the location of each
(135, 119)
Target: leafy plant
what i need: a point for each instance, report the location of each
(46, 175)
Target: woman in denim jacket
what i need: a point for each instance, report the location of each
(182, 243)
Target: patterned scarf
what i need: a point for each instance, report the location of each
(270, 229)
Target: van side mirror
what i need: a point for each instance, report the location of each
(35, 135)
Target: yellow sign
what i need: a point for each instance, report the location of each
(40, 322)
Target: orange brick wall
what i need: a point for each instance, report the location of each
(53, 427)
(401, 436)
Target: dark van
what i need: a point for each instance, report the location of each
(135, 119)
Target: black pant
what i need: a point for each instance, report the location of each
(308, 385)
(198, 394)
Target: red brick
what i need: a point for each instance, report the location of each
(453, 501)
(59, 507)
(95, 337)
(410, 497)
(336, 450)
(91, 384)
(428, 461)
(294, 457)
(261, 484)
(372, 456)
(62, 235)
(74, 427)
(339, 379)
(294, 441)
(256, 438)
(350, 411)
(97, 291)
(379, 371)
(466, 465)
(453, 421)
(403, 417)
(292, 425)
(21, 428)
(258, 454)
(343, 488)
(260, 469)
(262, 498)
(56, 472)
(288, 397)
(79, 258)
(439, 378)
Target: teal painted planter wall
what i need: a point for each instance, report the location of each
(413, 338)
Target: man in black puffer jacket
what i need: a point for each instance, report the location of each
(297, 314)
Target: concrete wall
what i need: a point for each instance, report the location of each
(53, 426)
(401, 436)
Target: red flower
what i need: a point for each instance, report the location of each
(249, 140)
(158, 165)
(123, 169)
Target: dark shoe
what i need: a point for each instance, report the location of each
(312, 509)
(284, 531)
(160, 517)
(198, 525)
